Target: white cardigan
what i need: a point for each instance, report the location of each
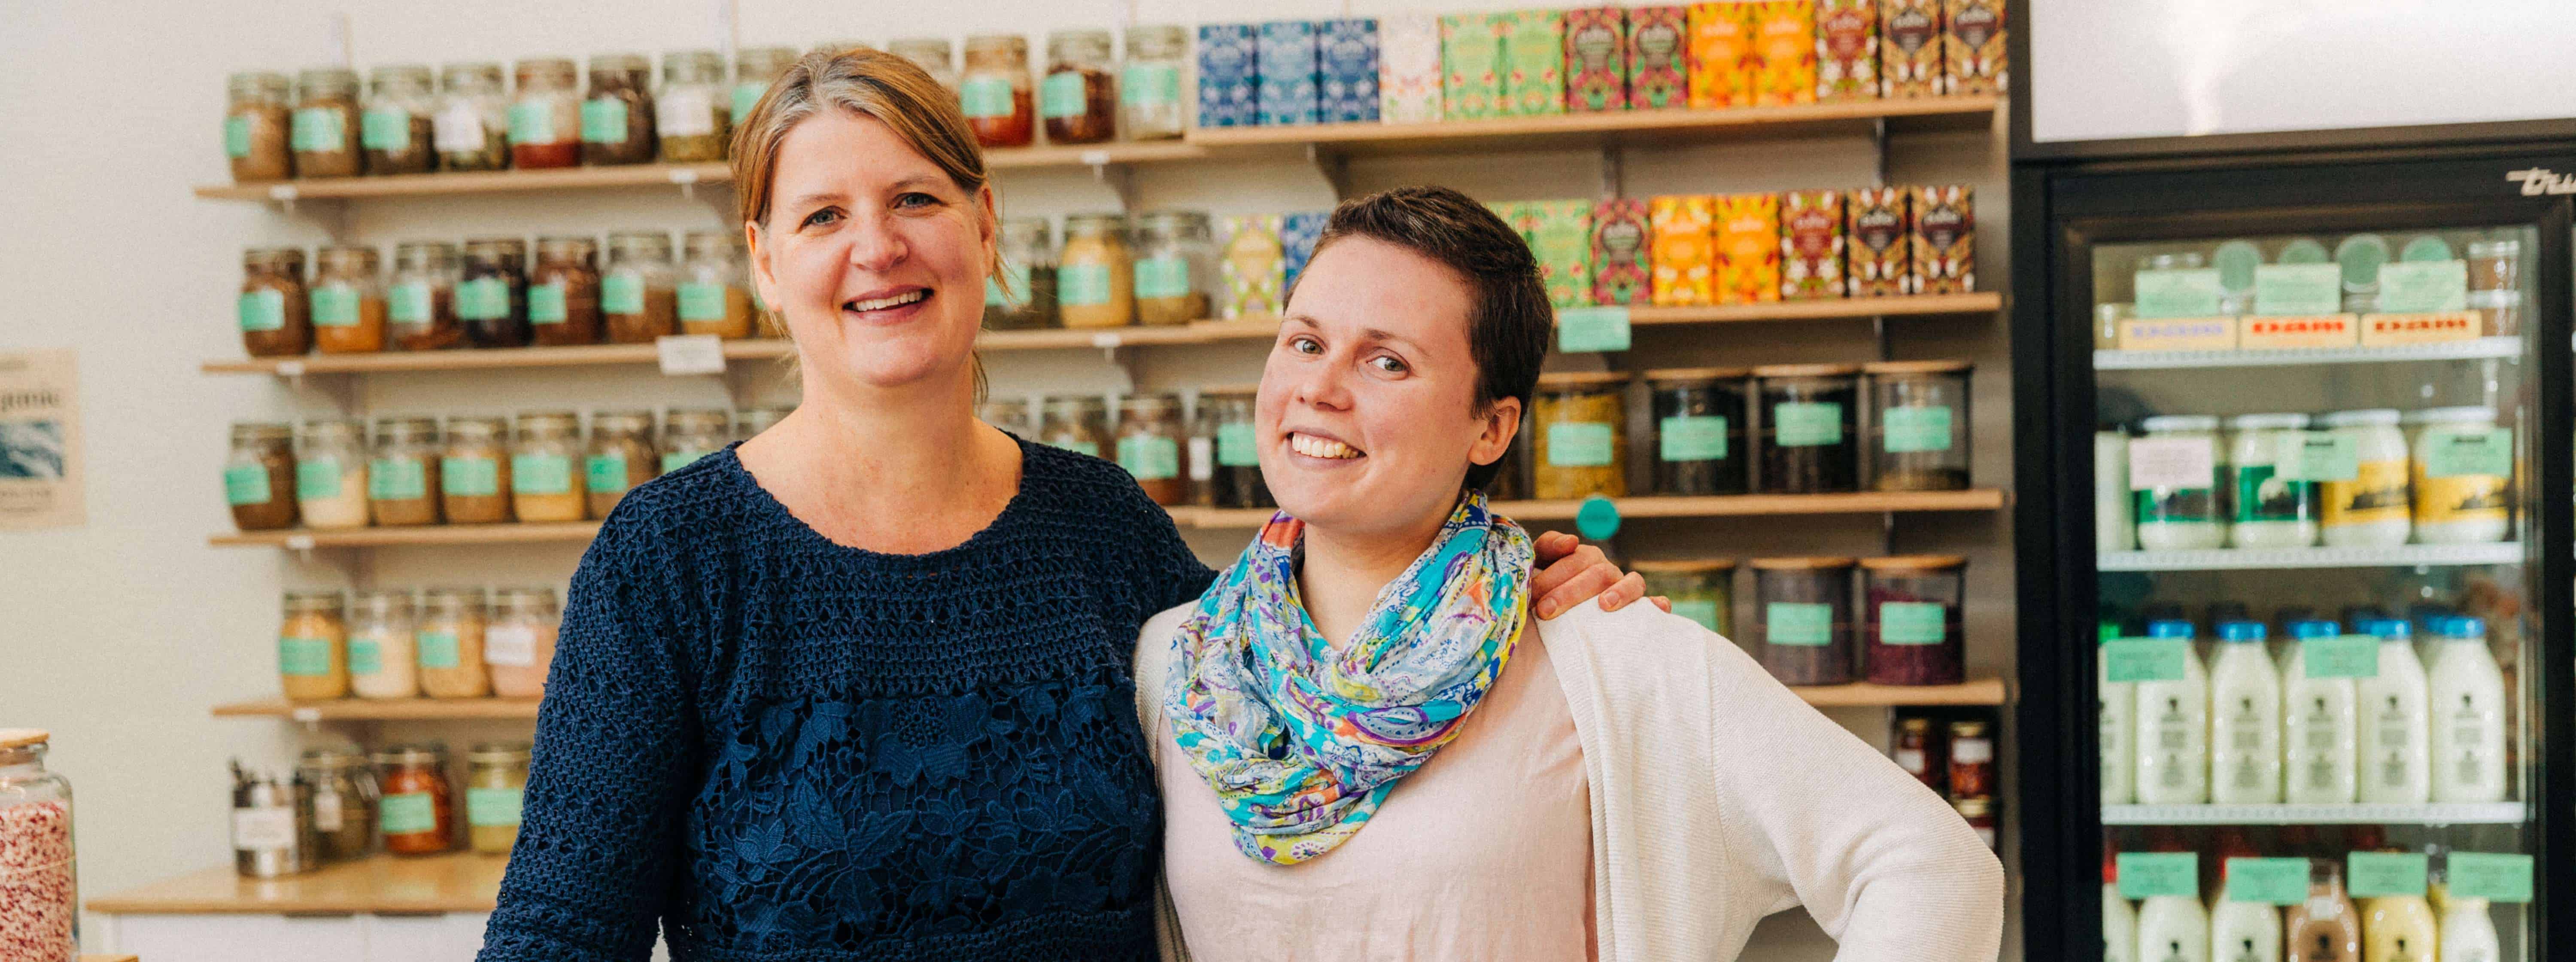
(1719, 797)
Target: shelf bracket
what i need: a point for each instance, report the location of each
(1878, 149)
(1120, 179)
(1613, 172)
(1334, 168)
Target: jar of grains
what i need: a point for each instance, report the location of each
(713, 298)
(1151, 436)
(1080, 97)
(450, 644)
(935, 56)
(689, 113)
(543, 484)
(692, 433)
(472, 125)
(325, 127)
(42, 916)
(492, 292)
(474, 471)
(415, 810)
(636, 295)
(1913, 629)
(1176, 267)
(1095, 282)
(1810, 439)
(331, 473)
(1580, 425)
(1149, 86)
(397, 131)
(1802, 608)
(275, 315)
(1020, 294)
(344, 801)
(347, 301)
(402, 478)
(995, 91)
(313, 647)
(1699, 430)
(617, 118)
(563, 291)
(420, 301)
(255, 125)
(1919, 417)
(1701, 590)
(382, 659)
(496, 778)
(520, 643)
(622, 456)
(1077, 424)
(1225, 450)
(754, 69)
(259, 476)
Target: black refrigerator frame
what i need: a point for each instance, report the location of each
(2058, 211)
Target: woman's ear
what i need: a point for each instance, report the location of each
(1502, 422)
(755, 241)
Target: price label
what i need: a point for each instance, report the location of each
(2469, 454)
(1582, 329)
(2489, 876)
(1796, 623)
(2423, 287)
(2184, 293)
(2274, 881)
(2145, 659)
(2385, 873)
(2149, 874)
(2293, 289)
(690, 353)
(2321, 457)
(2340, 656)
(2172, 464)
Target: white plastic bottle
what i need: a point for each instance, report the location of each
(2244, 931)
(2118, 702)
(2172, 928)
(2467, 692)
(2372, 509)
(2244, 719)
(2319, 730)
(2468, 932)
(2396, 730)
(2173, 729)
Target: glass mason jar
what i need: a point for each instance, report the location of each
(2495, 284)
(474, 471)
(1810, 438)
(1701, 590)
(1095, 276)
(415, 809)
(496, 779)
(2182, 519)
(1151, 437)
(1918, 415)
(255, 126)
(402, 478)
(420, 298)
(754, 69)
(331, 473)
(1149, 86)
(1175, 267)
(1802, 610)
(520, 642)
(1579, 424)
(276, 317)
(492, 292)
(1077, 424)
(713, 297)
(935, 56)
(1080, 96)
(313, 646)
(1011, 416)
(622, 455)
(636, 296)
(347, 301)
(472, 125)
(755, 420)
(272, 827)
(692, 433)
(689, 113)
(1699, 430)
(324, 131)
(259, 476)
(995, 91)
(1021, 293)
(1913, 629)
(344, 801)
(543, 483)
(545, 115)
(397, 130)
(382, 659)
(563, 291)
(1226, 452)
(617, 118)
(36, 845)
(450, 644)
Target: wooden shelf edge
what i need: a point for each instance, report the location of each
(389, 884)
(402, 709)
(477, 182)
(1627, 121)
(1976, 691)
(1977, 302)
(433, 534)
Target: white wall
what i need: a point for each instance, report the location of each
(121, 634)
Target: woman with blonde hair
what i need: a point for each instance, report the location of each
(858, 687)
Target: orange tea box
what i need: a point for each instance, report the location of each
(1721, 55)
(1945, 241)
(1972, 46)
(1748, 249)
(1684, 263)
(1784, 52)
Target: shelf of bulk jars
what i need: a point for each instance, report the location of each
(2240, 559)
(380, 884)
(2438, 813)
(2463, 350)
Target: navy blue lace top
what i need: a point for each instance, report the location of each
(781, 748)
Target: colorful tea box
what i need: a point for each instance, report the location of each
(1721, 55)
(1408, 68)
(1297, 235)
(1561, 238)
(1748, 249)
(1846, 50)
(1596, 59)
(1784, 51)
(1684, 263)
(1877, 234)
(1620, 271)
(1346, 70)
(1254, 266)
(1228, 82)
(1658, 57)
(1811, 244)
(1287, 64)
(1972, 46)
(1909, 48)
(1471, 66)
(1534, 49)
(1944, 239)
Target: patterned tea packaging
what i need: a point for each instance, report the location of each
(1254, 266)
(1228, 84)
(1620, 231)
(1684, 264)
(1721, 55)
(1471, 66)
(1972, 44)
(1560, 237)
(1784, 51)
(1596, 59)
(1408, 68)
(1846, 50)
(1297, 235)
(1534, 46)
(1944, 239)
(1811, 244)
(1286, 64)
(1658, 57)
(1346, 70)
(1748, 248)
(1876, 236)
(1909, 48)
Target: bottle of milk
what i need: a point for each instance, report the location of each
(2119, 918)
(2396, 729)
(2468, 932)
(2467, 710)
(2243, 931)
(2119, 707)
(2319, 730)
(2173, 728)
(2173, 928)
(2244, 718)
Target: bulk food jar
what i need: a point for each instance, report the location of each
(1809, 442)
(935, 56)
(1176, 267)
(714, 297)
(1231, 458)
(331, 473)
(383, 662)
(1580, 427)
(1080, 97)
(636, 295)
(1803, 618)
(1021, 293)
(325, 128)
(36, 865)
(754, 69)
(519, 645)
(313, 647)
(496, 781)
(1077, 424)
(1095, 282)
(2463, 473)
(402, 478)
(474, 471)
(492, 292)
(995, 91)
(415, 809)
(692, 433)
(617, 117)
(1149, 86)
(689, 113)
(275, 314)
(396, 130)
(272, 829)
(1701, 590)
(450, 644)
(347, 301)
(563, 292)
(1699, 430)
(1151, 437)
(2176, 516)
(343, 790)
(545, 115)
(420, 298)
(259, 476)
(1912, 623)
(1918, 424)
(255, 126)
(543, 483)
(472, 126)
(622, 455)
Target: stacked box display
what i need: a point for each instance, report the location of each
(1297, 235)
(1909, 48)
(1784, 51)
(1229, 82)
(1684, 264)
(1534, 49)
(1560, 236)
(1846, 50)
(1471, 66)
(1748, 249)
(1972, 45)
(1877, 233)
(1408, 69)
(1286, 65)
(1346, 70)
(1254, 267)
(1658, 57)
(1620, 270)
(1721, 55)
(1596, 59)
(1943, 241)
(1811, 244)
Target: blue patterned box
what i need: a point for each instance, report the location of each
(1228, 79)
(1347, 70)
(1297, 234)
(1287, 60)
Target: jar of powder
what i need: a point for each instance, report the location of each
(714, 293)
(545, 115)
(420, 300)
(1151, 437)
(382, 663)
(1580, 424)
(325, 127)
(331, 473)
(450, 644)
(563, 292)
(397, 131)
(544, 486)
(1077, 424)
(312, 647)
(472, 126)
(256, 117)
(1912, 622)
(1701, 590)
(474, 471)
(1175, 267)
(402, 478)
(519, 645)
(259, 476)
(617, 118)
(1803, 618)
(1095, 275)
(496, 782)
(637, 298)
(492, 292)
(1919, 423)
(1809, 441)
(689, 113)
(348, 301)
(622, 455)
(273, 309)
(1080, 97)
(1700, 426)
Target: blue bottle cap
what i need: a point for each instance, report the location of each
(2241, 631)
(2392, 629)
(2464, 626)
(2315, 629)
(2169, 628)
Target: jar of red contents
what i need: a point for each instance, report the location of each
(1980, 815)
(1972, 760)
(1918, 751)
(1912, 622)
(545, 115)
(415, 808)
(995, 91)
(1080, 97)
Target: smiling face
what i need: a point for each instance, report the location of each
(1367, 413)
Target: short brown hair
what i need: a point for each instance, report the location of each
(1509, 321)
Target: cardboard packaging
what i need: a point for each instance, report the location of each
(1471, 66)
(1811, 244)
(1297, 236)
(2178, 334)
(1658, 57)
(1909, 48)
(1346, 69)
(1228, 81)
(1721, 55)
(1846, 50)
(2272, 332)
(1877, 234)
(1254, 266)
(1534, 47)
(1287, 65)
(1944, 241)
(1596, 59)
(1972, 45)
(1684, 259)
(2390, 330)
(1561, 238)
(1784, 52)
(1620, 268)
(1408, 68)
(1748, 249)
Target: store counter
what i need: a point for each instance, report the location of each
(380, 909)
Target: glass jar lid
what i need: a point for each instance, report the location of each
(330, 430)
(261, 431)
(2456, 415)
(325, 82)
(383, 603)
(499, 753)
(1798, 564)
(2364, 418)
(693, 67)
(1915, 562)
(511, 249)
(398, 79)
(1095, 225)
(14, 738)
(1801, 371)
(331, 758)
(257, 85)
(2163, 423)
(303, 601)
(542, 599)
(1683, 376)
(1157, 42)
(1076, 406)
(1082, 46)
(1174, 223)
(930, 53)
(1899, 368)
(621, 422)
(274, 259)
(1683, 566)
(557, 71)
(679, 420)
(548, 422)
(644, 245)
(987, 45)
(2488, 249)
(1582, 380)
(619, 67)
(475, 428)
(566, 248)
(453, 596)
(1148, 405)
(2267, 422)
(346, 260)
(392, 430)
(470, 77)
(413, 754)
(424, 255)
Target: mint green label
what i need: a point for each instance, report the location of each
(532, 122)
(261, 310)
(603, 121)
(2422, 286)
(409, 302)
(1692, 437)
(1079, 447)
(1912, 623)
(2385, 873)
(409, 813)
(2192, 292)
(1235, 447)
(366, 656)
(2321, 456)
(2468, 454)
(2150, 874)
(334, 306)
(1061, 96)
(1578, 445)
(607, 473)
(540, 474)
(237, 137)
(1700, 610)
(1149, 85)
(386, 128)
(2490, 876)
(621, 294)
(1011, 288)
(546, 303)
(985, 98)
(438, 649)
(469, 477)
(320, 130)
(2145, 659)
(1912, 429)
(2272, 881)
(246, 484)
(1162, 277)
(493, 806)
(747, 96)
(675, 460)
(317, 479)
(1797, 623)
(2292, 290)
(397, 479)
(1585, 329)
(1799, 424)
(2340, 656)
(1078, 285)
(702, 301)
(304, 657)
(1149, 458)
(483, 299)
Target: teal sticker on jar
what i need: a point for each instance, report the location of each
(1700, 610)
(438, 649)
(985, 98)
(469, 477)
(675, 460)
(246, 484)
(1801, 424)
(1149, 85)
(2449, 454)
(366, 656)
(1798, 623)
(606, 473)
(702, 301)
(747, 96)
(546, 303)
(1912, 429)
(1061, 95)
(334, 305)
(408, 302)
(1579, 445)
(261, 310)
(1009, 289)
(1149, 458)
(1162, 277)
(1691, 437)
(317, 479)
(1597, 518)
(319, 130)
(532, 122)
(2385, 873)
(408, 813)
(2145, 659)
(2319, 456)
(304, 657)
(1079, 447)
(540, 474)
(483, 299)
(603, 121)
(2492, 876)
(2340, 656)
(621, 294)
(1585, 329)
(2269, 881)
(386, 128)
(1081, 285)
(1235, 447)
(1913, 623)
(2149, 874)
(397, 479)
(237, 137)
(492, 807)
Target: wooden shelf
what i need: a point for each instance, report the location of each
(455, 882)
(1982, 302)
(307, 538)
(399, 709)
(455, 183)
(1979, 691)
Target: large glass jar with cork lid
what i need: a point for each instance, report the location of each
(1078, 424)
(348, 301)
(689, 112)
(546, 480)
(256, 116)
(496, 782)
(714, 292)
(259, 476)
(474, 471)
(622, 455)
(331, 473)
(996, 91)
(1580, 428)
(1701, 589)
(1021, 293)
(344, 801)
(472, 126)
(563, 292)
(420, 298)
(1919, 421)
(324, 131)
(692, 433)
(637, 295)
(274, 312)
(402, 477)
(1151, 440)
(382, 661)
(545, 114)
(1176, 267)
(519, 644)
(1226, 451)
(397, 130)
(36, 832)
(1700, 429)
(1809, 442)
(415, 808)
(313, 646)
(492, 292)
(450, 644)
(1095, 275)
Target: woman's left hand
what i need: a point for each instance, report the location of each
(1571, 572)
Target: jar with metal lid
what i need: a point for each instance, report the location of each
(1979, 813)
(2495, 284)
(331, 473)
(472, 126)
(1095, 275)
(692, 433)
(2173, 514)
(492, 292)
(714, 296)
(420, 298)
(1226, 450)
(1149, 85)
(996, 91)
(1010, 415)
(752, 421)
(36, 842)
(1802, 611)
(689, 113)
(519, 645)
(450, 644)
(563, 292)
(397, 131)
(1579, 426)
(1020, 294)
(545, 114)
(636, 294)
(272, 830)
(347, 301)
(1701, 590)
(274, 312)
(1176, 267)
(344, 801)
(2273, 505)
(1917, 751)
(1912, 622)
(935, 56)
(1077, 424)
(496, 780)
(415, 808)
(256, 117)
(1809, 442)
(259, 476)
(543, 483)
(1918, 414)
(402, 478)
(617, 117)
(1972, 762)
(474, 471)
(754, 69)
(313, 646)
(2463, 475)
(325, 127)
(1699, 430)
(1151, 439)
(622, 455)
(1080, 96)
(382, 660)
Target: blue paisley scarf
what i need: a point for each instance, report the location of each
(1302, 742)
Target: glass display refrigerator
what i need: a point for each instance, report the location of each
(2292, 450)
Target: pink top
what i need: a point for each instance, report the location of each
(1485, 852)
